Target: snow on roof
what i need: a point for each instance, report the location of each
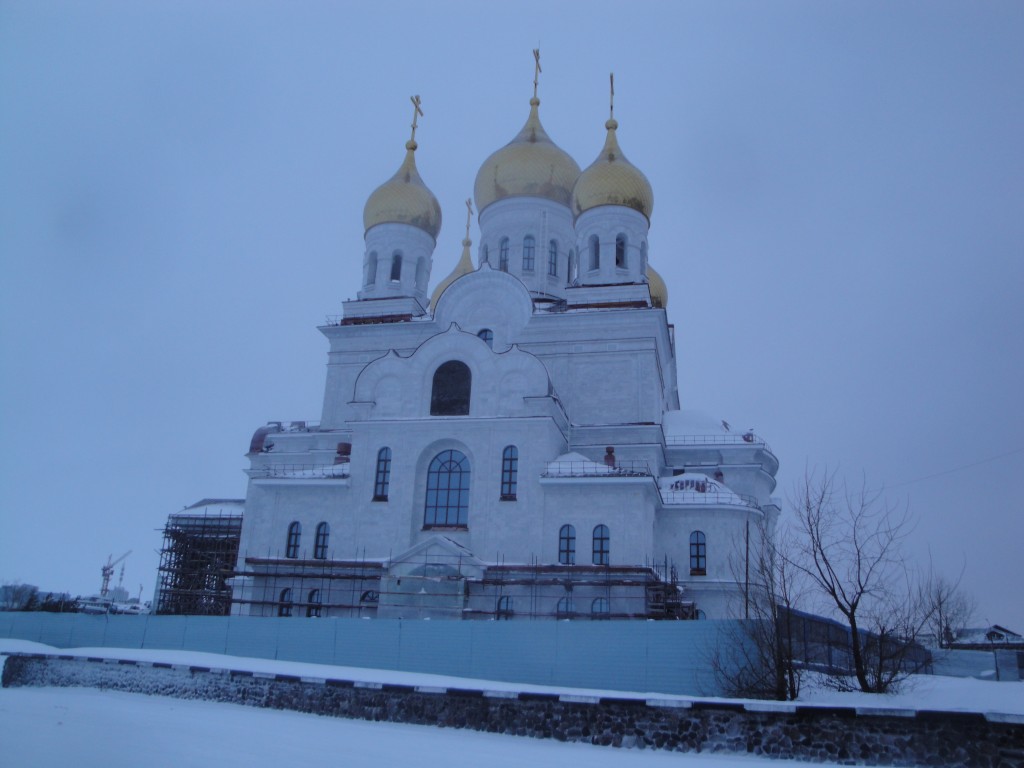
(697, 488)
(692, 422)
(214, 502)
(575, 464)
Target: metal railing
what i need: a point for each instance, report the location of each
(302, 471)
(637, 468)
(748, 438)
(712, 498)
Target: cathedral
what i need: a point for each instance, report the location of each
(510, 444)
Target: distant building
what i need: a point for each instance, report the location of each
(510, 445)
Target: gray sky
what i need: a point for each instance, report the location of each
(839, 216)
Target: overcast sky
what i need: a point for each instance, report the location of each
(839, 216)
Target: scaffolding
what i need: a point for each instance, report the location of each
(458, 588)
(197, 558)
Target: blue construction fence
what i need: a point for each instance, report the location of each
(640, 656)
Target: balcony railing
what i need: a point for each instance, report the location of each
(594, 469)
(302, 471)
(748, 438)
(712, 498)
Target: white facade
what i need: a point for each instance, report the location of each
(515, 449)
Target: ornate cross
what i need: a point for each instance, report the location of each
(536, 69)
(611, 98)
(416, 111)
(469, 215)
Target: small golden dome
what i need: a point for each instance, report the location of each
(464, 267)
(659, 291)
(404, 199)
(529, 165)
(612, 180)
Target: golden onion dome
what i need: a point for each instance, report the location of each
(404, 199)
(464, 267)
(612, 180)
(529, 165)
(659, 291)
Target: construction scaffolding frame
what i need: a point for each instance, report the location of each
(197, 558)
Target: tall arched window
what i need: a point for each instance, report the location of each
(698, 554)
(483, 253)
(421, 273)
(396, 267)
(371, 269)
(451, 389)
(570, 267)
(382, 479)
(564, 609)
(643, 258)
(313, 604)
(503, 254)
(447, 502)
(595, 253)
(291, 548)
(567, 545)
(323, 531)
(529, 249)
(599, 608)
(620, 251)
(553, 258)
(601, 545)
(284, 604)
(509, 472)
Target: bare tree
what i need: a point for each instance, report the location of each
(759, 661)
(951, 609)
(17, 597)
(849, 546)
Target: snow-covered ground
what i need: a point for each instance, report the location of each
(86, 727)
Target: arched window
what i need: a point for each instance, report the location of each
(371, 269)
(396, 267)
(595, 253)
(383, 477)
(323, 531)
(483, 253)
(570, 267)
(447, 502)
(292, 545)
(503, 608)
(503, 254)
(567, 545)
(564, 609)
(529, 251)
(284, 605)
(509, 472)
(643, 258)
(369, 597)
(599, 608)
(488, 337)
(698, 554)
(421, 273)
(450, 393)
(620, 251)
(601, 537)
(313, 604)
(553, 258)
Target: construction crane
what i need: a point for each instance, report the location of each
(108, 571)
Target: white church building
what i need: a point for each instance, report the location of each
(511, 444)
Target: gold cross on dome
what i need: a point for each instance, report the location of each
(416, 111)
(469, 215)
(611, 97)
(536, 70)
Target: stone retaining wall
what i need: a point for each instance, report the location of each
(841, 735)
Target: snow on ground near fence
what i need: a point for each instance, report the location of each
(87, 728)
(931, 692)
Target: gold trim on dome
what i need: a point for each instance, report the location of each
(612, 180)
(465, 265)
(529, 165)
(404, 198)
(657, 287)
